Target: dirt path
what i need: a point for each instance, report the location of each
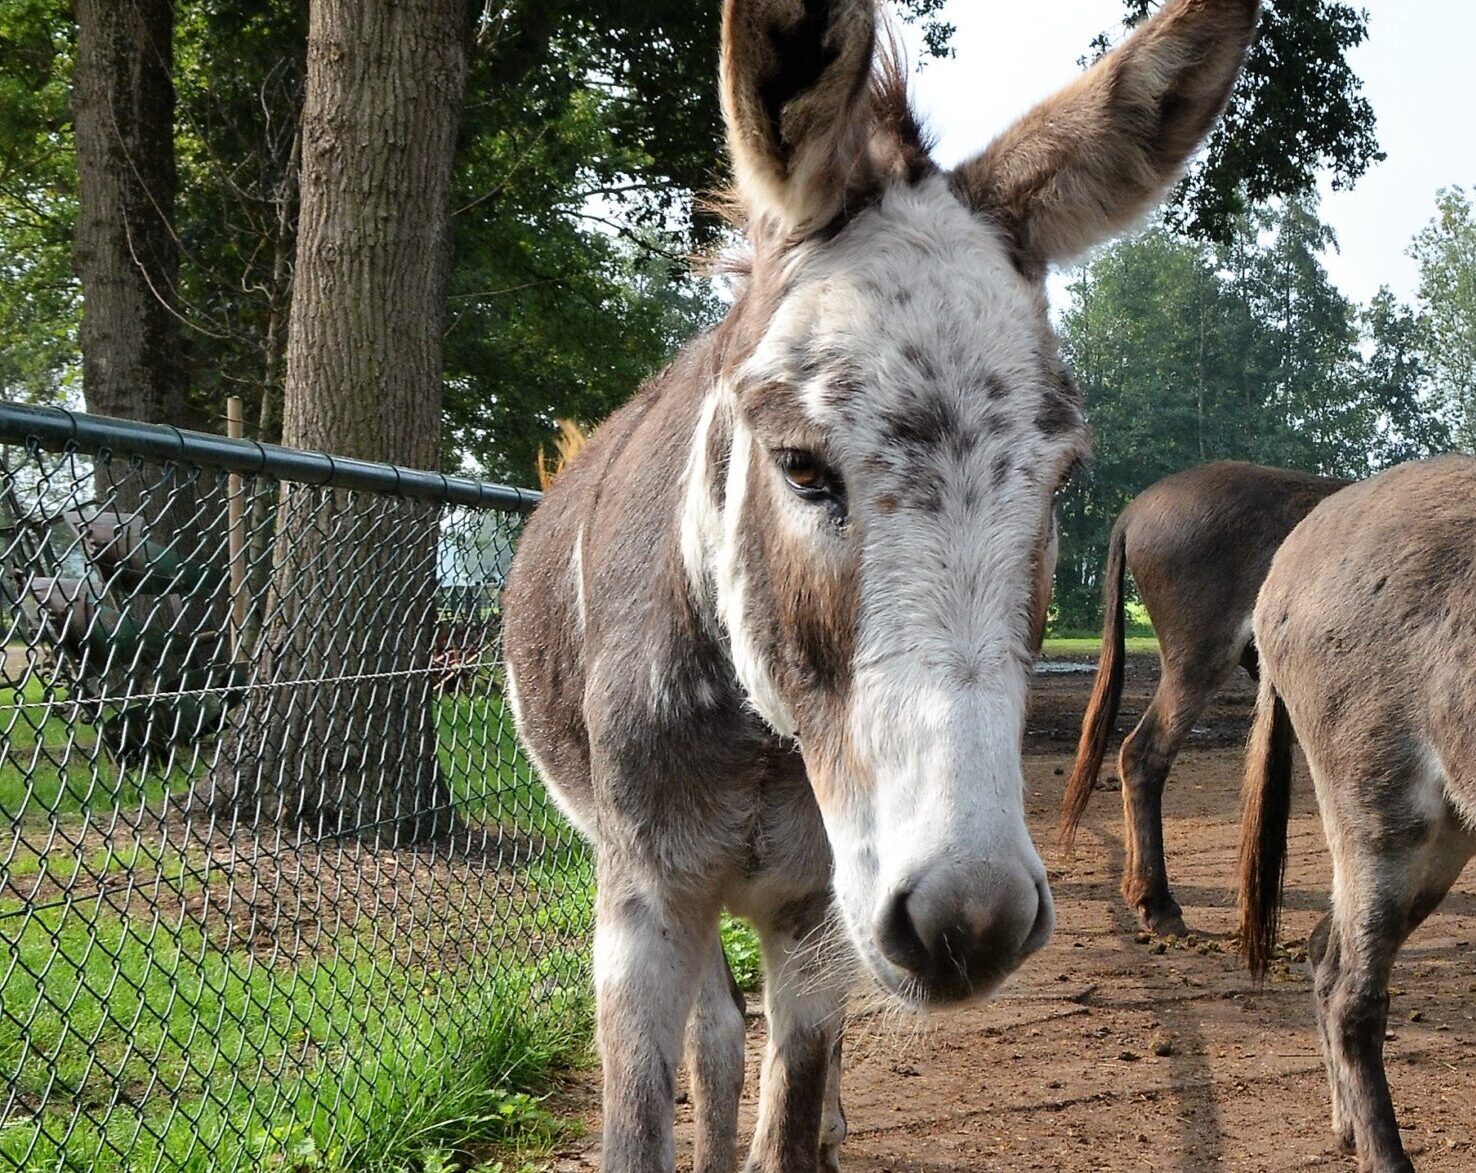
(1061, 1073)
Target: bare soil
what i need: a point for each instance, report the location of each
(1113, 1053)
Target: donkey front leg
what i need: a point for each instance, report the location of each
(715, 1039)
(800, 1126)
(833, 1120)
(649, 951)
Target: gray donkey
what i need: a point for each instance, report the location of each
(1198, 544)
(1367, 631)
(769, 636)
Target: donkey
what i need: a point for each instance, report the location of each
(769, 636)
(1198, 544)
(1367, 631)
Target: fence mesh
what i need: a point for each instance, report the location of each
(270, 858)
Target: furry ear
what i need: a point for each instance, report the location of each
(795, 98)
(1084, 164)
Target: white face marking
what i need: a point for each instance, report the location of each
(702, 523)
(753, 673)
(924, 359)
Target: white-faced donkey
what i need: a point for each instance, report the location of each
(769, 637)
(1367, 630)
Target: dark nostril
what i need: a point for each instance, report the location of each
(898, 936)
(1045, 920)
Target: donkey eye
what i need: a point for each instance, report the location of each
(808, 476)
(804, 473)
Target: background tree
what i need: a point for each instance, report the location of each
(1189, 352)
(1446, 251)
(1411, 422)
(384, 89)
(125, 247)
(590, 131)
(39, 298)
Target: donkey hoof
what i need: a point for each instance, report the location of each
(830, 1158)
(1400, 1164)
(1168, 923)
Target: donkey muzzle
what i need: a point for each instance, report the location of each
(956, 931)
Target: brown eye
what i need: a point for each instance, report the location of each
(802, 471)
(811, 480)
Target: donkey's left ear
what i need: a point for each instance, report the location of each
(795, 77)
(1084, 164)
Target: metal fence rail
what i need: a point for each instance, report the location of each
(269, 854)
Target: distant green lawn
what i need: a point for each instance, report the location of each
(1140, 640)
(1091, 645)
(51, 765)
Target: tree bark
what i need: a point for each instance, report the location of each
(125, 250)
(346, 742)
(126, 255)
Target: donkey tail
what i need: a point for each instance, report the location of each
(1101, 714)
(1265, 810)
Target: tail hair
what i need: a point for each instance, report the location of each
(1265, 811)
(1102, 709)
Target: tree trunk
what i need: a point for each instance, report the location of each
(347, 741)
(125, 249)
(126, 255)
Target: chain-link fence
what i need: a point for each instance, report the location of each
(271, 864)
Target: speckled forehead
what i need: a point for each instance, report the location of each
(916, 320)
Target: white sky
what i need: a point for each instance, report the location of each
(1416, 68)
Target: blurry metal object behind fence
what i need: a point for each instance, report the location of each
(266, 856)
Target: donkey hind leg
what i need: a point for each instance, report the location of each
(805, 1000)
(1342, 1111)
(1148, 754)
(1381, 898)
(649, 951)
(715, 1039)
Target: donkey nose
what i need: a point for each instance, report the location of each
(957, 933)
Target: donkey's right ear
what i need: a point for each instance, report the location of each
(795, 77)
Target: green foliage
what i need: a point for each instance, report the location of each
(1188, 353)
(590, 130)
(745, 956)
(1446, 252)
(1412, 414)
(39, 306)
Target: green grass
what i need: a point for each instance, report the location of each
(1091, 645)
(1140, 638)
(480, 756)
(52, 765)
(343, 1065)
(143, 1045)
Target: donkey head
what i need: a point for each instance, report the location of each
(869, 508)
